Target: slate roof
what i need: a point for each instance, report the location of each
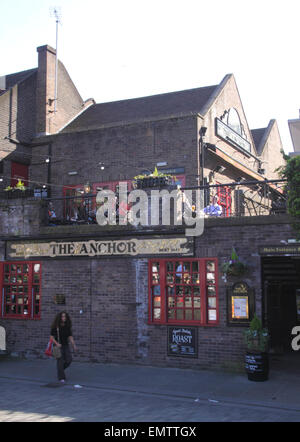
(12, 79)
(137, 109)
(260, 136)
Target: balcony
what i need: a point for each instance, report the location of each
(239, 199)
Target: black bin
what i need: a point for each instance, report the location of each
(257, 366)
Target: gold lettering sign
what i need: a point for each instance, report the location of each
(94, 248)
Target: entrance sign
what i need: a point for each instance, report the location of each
(289, 249)
(183, 246)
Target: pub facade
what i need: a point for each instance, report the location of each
(148, 294)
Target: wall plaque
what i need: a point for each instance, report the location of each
(183, 341)
(100, 248)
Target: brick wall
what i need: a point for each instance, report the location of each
(108, 302)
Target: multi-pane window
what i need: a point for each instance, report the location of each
(183, 291)
(21, 290)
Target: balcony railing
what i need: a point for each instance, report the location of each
(238, 199)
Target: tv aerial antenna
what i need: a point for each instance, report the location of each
(55, 11)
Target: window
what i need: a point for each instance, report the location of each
(183, 291)
(224, 200)
(21, 290)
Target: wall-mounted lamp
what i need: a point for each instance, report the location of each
(87, 188)
(261, 171)
(102, 167)
(219, 169)
(203, 131)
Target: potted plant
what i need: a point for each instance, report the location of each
(154, 179)
(234, 267)
(18, 191)
(256, 358)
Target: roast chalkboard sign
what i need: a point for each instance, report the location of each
(182, 341)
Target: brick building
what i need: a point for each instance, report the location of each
(139, 293)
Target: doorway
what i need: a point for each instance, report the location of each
(281, 300)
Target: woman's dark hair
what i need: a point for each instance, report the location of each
(57, 321)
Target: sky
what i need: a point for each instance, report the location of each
(119, 49)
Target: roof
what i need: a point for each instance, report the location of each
(144, 108)
(260, 136)
(8, 81)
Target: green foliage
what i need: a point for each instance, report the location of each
(234, 267)
(154, 174)
(256, 337)
(291, 172)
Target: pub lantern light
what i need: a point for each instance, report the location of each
(87, 188)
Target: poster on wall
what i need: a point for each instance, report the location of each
(183, 341)
(240, 304)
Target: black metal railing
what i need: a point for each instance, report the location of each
(238, 199)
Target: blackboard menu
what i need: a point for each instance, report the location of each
(182, 341)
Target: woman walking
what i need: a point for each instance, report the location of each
(61, 335)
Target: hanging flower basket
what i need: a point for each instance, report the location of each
(234, 267)
(154, 179)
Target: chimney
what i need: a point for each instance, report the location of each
(45, 89)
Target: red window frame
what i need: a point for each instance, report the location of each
(186, 296)
(225, 200)
(20, 284)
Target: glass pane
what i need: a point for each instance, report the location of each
(187, 290)
(171, 302)
(19, 279)
(25, 268)
(7, 299)
(212, 302)
(188, 315)
(14, 288)
(36, 310)
(179, 290)
(19, 269)
(171, 314)
(211, 290)
(210, 276)
(6, 268)
(210, 266)
(19, 310)
(196, 291)
(26, 300)
(180, 302)
(197, 302)
(156, 290)
(25, 310)
(195, 278)
(6, 278)
(197, 315)
(36, 268)
(170, 290)
(156, 313)
(155, 267)
(170, 266)
(212, 315)
(155, 278)
(36, 278)
(179, 314)
(170, 278)
(13, 279)
(186, 267)
(195, 266)
(13, 267)
(188, 302)
(20, 299)
(156, 301)
(25, 278)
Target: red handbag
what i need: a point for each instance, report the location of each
(48, 351)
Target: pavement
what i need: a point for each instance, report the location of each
(281, 391)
